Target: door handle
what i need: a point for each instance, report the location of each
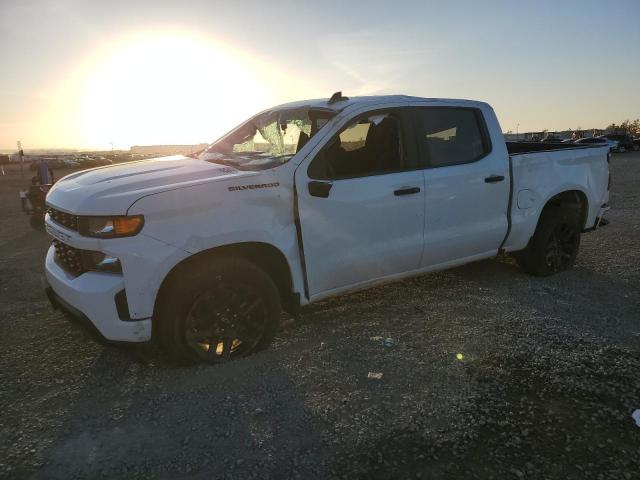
(494, 178)
(319, 189)
(406, 191)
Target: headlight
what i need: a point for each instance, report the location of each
(111, 227)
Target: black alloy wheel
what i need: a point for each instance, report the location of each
(225, 322)
(561, 247)
(555, 243)
(216, 308)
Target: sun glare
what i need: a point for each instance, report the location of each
(167, 89)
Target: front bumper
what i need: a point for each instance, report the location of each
(91, 299)
(75, 315)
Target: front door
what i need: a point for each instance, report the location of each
(361, 206)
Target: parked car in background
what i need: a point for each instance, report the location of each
(90, 162)
(53, 163)
(613, 145)
(625, 142)
(636, 144)
(69, 163)
(62, 163)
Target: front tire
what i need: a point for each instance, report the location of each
(218, 311)
(555, 243)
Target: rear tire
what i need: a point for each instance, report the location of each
(217, 311)
(555, 243)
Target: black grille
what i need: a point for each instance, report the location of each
(69, 258)
(65, 219)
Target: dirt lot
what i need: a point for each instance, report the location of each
(546, 380)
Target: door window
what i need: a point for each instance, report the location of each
(369, 146)
(452, 136)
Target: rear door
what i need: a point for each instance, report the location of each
(466, 184)
(361, 204)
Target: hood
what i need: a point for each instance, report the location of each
(112, 189)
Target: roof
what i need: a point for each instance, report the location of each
(322, 103)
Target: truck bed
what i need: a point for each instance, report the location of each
(539, 174)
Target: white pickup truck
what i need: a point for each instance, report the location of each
(302, 202)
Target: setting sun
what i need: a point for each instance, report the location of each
(166, 88)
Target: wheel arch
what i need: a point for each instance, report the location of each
(575, 198)
(266, 256)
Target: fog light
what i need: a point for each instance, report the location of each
(101, 262)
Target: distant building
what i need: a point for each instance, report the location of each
(166, 149)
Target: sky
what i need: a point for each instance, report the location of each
(89, 74)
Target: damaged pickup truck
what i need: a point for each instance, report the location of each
(302, 202)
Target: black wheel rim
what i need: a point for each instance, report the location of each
(225, 322)
(561, 247)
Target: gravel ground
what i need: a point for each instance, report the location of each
(486, 373)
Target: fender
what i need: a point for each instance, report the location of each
(230, 217)
(525, 221)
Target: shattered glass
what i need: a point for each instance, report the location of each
(267, 140)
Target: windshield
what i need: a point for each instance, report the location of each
(268, 139)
